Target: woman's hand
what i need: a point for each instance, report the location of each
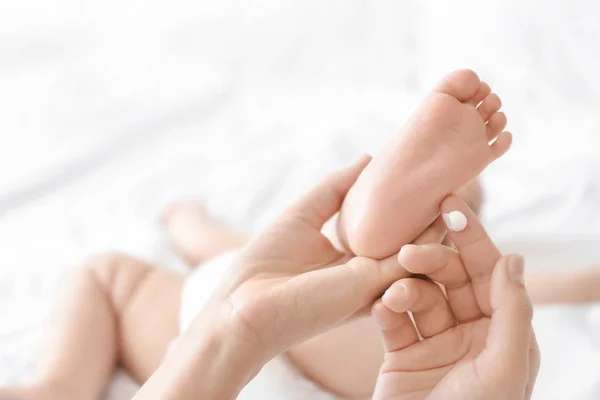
(290, 283)
(478, 342)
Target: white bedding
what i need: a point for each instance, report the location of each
(110, 110)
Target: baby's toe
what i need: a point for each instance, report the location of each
(489, 106)
(495, 125)
(501, 145)
(483, 91)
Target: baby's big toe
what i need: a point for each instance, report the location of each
(462, 84)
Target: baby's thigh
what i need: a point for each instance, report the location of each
(146, 301)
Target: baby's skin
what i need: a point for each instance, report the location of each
(446, 143)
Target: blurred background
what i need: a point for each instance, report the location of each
(110, 110)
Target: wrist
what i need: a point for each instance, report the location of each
(224, 364)
(208, 362)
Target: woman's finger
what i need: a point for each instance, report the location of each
(397, 329)
(443, 265)
(534, 364)
(425, 300)
(321, 203)
(510, 334)
(478, 253)
(325, 297)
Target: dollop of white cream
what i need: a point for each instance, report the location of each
(456, 221)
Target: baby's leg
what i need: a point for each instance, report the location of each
(197, 237)
(116, 309)
(581, 285)
(344, 360)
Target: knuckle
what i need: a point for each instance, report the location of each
(364, 268)
(525, 308)
(368, 276)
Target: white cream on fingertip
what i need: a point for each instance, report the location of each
(456, 221)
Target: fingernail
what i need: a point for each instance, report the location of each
(403, 252)
(516, 269)
(395, 298)
(455, 221)
(401, 288)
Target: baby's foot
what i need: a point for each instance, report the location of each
(195, 236)
(444, 145)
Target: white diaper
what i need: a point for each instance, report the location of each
(278, 379)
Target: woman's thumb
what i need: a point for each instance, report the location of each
(510, 332)
(323, 298)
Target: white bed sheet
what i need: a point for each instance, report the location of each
(110, 110)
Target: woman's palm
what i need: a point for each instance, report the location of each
(436, 365)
